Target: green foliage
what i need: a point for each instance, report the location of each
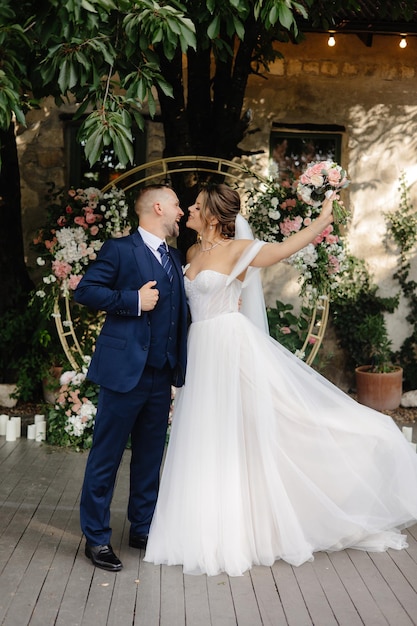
(109, 55)
(358, 317)
(287, 328)
(402, 223)
(29, 346)
(402, 226)
(372, 332)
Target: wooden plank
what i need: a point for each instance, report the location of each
(172, 598)
(197, 610)
(267, 597)
(398, 583)
(220, 601)
(149, 595)
(64, 534)
(244, 600)
(341, 604)
(25, 569)
(315, 600)
(361, 597)
(292, 600)
(387, 602)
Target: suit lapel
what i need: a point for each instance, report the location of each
(142, 256)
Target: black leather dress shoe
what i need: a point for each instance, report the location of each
(104, 557)
(138, 541)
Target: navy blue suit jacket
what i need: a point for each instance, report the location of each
(111, 284)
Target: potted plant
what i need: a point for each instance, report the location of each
(379, 382)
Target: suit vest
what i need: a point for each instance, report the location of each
(163, 320)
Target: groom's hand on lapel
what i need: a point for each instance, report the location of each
(149, 296)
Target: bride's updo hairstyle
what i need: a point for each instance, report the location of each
(223, 203)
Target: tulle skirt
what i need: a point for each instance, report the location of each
(268, 460)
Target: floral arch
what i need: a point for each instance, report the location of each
(162, 170)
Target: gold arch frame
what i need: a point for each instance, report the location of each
(163, 169)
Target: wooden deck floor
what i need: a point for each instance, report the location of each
(45, 578)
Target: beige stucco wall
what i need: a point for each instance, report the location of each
(371, 91)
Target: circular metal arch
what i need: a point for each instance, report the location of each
(162, 170)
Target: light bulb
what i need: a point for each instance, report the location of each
(331, 41)
(403, 42)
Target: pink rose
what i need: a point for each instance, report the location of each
(289, 226)
(334, 176)
(94, 230)
(80, 221)
(73, 281)
(90, 218)
(317, 180)
(286, 330)
(50, 244)
(61, 269)
(330, 239)
(334, 265)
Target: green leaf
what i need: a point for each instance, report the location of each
(273, 14)
(88, 6)
(239, 28)
(214, 28)
(63, 76)
(286, 17)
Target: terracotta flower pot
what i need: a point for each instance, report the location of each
(379, 391)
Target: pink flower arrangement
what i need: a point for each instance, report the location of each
(76, 230)
(279, 209)
(319, 181)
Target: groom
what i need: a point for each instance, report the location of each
(140, 353)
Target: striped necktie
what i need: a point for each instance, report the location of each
(166, 261)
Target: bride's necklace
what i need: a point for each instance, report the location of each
(212, 244)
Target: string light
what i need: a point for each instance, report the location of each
(331, 41)
(403, 42)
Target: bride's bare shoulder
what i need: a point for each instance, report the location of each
(191, 252)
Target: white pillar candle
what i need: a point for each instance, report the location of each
(18, 425)
(408, 432)
(40, 431)
(31, 431)
(10, 431)
(3, 424)
(39, 418)
(414, 446)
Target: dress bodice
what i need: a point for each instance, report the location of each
(209, 295)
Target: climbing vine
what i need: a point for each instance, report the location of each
(402, 227)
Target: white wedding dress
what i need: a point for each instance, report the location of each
(267, 459)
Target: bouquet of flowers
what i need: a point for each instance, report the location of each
(319, 181)
(71, 419)
(275, 212)
(77, 228)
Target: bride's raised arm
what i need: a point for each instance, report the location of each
(272, 253)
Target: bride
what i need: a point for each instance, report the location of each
(267, 459)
